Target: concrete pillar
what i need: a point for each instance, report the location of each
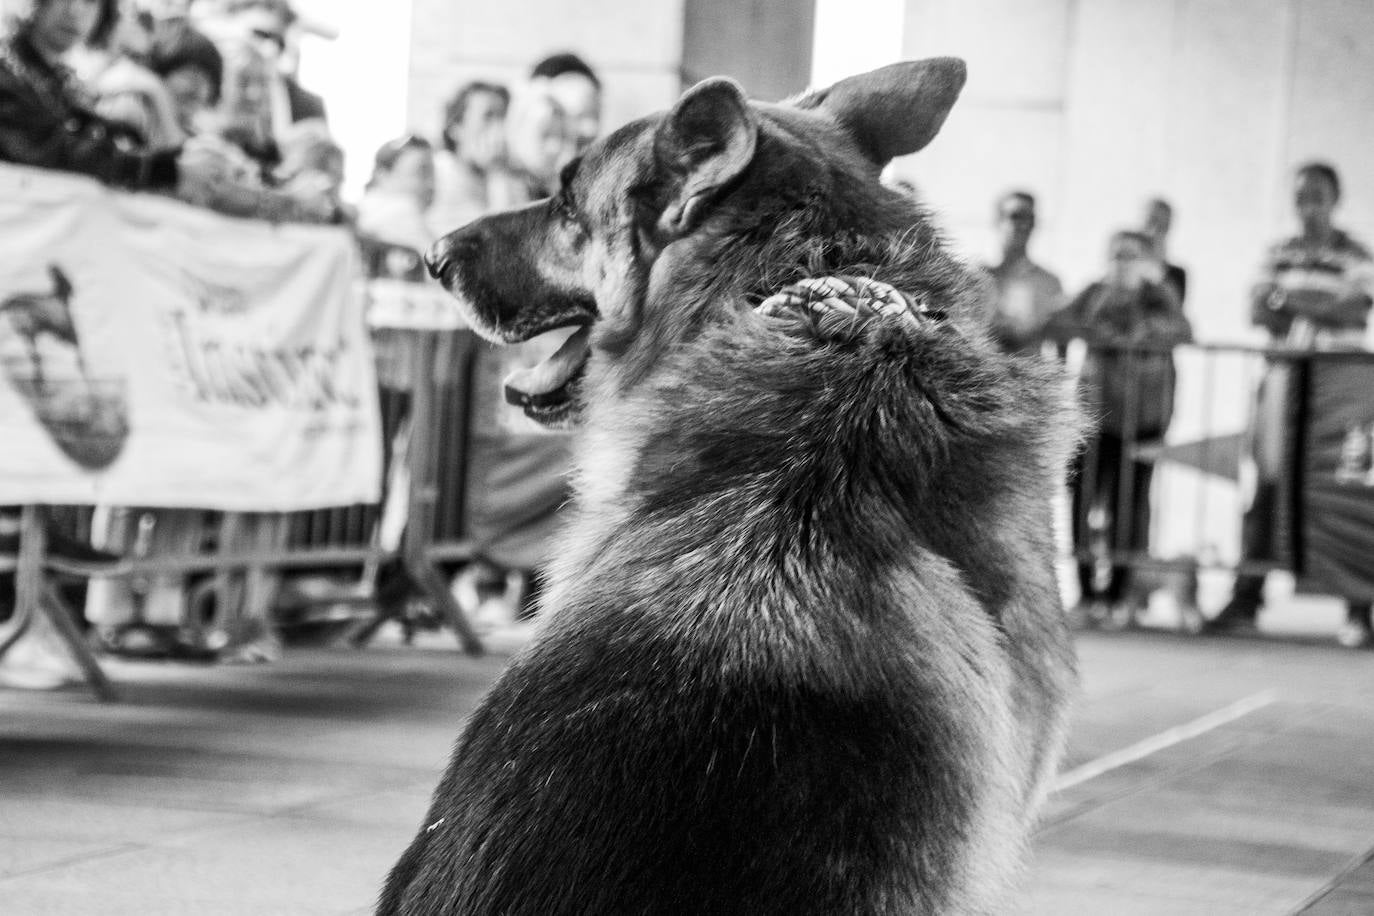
(765, 44)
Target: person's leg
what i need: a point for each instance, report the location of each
(1080, 503)
(1137, 537)
(1110, 493)
(1256, 543)
(1358, 630)
(9, 547)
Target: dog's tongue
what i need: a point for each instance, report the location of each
(554, 372)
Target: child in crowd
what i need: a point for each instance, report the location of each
(192, 69)
(471, 171)
(1130, 323)
(395, 205)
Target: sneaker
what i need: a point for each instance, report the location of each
(1087, 614)
(1355, 635)
(1230, 626)
(38, 660)
(1125, 613)
(1236, 618)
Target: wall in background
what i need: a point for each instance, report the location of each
(362, 74)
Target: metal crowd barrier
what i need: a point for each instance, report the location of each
(1314, 440)
(236, 565)
(1300, 421)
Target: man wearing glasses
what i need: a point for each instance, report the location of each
(267, 24)
(1027, 294)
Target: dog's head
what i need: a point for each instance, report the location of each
(679, 214)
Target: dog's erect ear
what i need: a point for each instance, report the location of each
(706, 141)
(894, 110)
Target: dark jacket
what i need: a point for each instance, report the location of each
(1129, 372)
(1177, 279)
(43, 123)
(304, 103)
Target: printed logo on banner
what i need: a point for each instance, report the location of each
(159, 355)
(86, 417)
(215, 365)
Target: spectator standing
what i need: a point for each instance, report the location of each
(471, 174)
(1133, 391)
(1314, 291)
(517, 480)
(539, 144)
(394, 208)
(267, 25)
(1159, 220)
(575, 87)
(114, 69)
(239, 130)
(192, 69)
(1027, 294)
(392, 219)
(243, 117)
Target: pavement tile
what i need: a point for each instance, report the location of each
(1343, 902)
(1340, 830)
(1123, 876)
(1055, 900)
(273, 865)
(115, 901)
(1110, 835)
(291, 788)
(36, 817)
(24, 855)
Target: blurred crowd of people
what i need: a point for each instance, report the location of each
(198, 99)
(1314, 291)
(194, 98)
(499, 147)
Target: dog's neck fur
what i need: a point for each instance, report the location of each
(727, 269)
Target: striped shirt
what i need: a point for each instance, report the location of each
(1308, 281)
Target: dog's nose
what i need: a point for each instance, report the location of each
(452, 248)
(438, 260)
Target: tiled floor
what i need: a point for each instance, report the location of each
(290, 788)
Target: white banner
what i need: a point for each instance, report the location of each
(411, 306)
(154, 354)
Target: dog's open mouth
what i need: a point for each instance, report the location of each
(547, 391)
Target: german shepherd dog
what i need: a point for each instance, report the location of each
(802, 650)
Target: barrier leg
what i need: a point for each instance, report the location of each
(28, 571)
(424, 493)
(63, 618)
(35, 594)
(436, 589)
